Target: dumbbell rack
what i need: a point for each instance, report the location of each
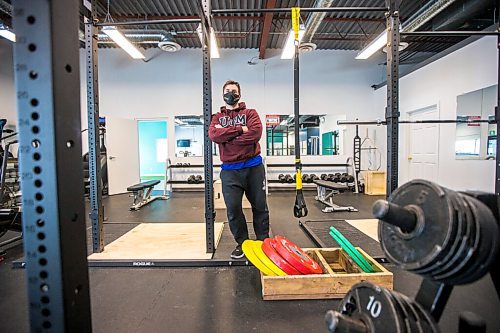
(169, 175)
(305, 165)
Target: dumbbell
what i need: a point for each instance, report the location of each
(368, 308)
(453, 237)
(324, 176)
(281, 178)
(198, 179)
(314, 177)
(289, 178)
(331, 176)
(306, 178)
(191, 179)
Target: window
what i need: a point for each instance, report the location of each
(319, 135)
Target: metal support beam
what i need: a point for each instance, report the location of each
(428, 121)
(95, 191)
(497, 119)
(207, 118)
(146, 22)
(392, 108)
(48, 105)
(305, 10)
(449, 33)
(266, 29)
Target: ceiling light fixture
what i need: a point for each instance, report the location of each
(119, 38)
(123, 42)
(289, 49)
(374, 46)
(7, 34)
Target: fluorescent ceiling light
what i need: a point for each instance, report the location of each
(123, 42)
(374, 46)
(289, 48)
(214, 48)
(8, 34)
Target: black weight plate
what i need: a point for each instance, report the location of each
(367, 302)
(413, 315)
(426, 320)
(464, 254)
(459, 229)
(488, 246)
(464, 237)
(421, 250)
(403, 314)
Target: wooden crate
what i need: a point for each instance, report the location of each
(340, 273)
(375, 182)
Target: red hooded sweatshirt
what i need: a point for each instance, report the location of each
(234, 145)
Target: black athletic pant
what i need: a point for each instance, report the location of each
(252, 182)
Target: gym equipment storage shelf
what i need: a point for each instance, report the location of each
(340, 272)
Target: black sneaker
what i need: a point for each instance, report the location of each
(237, 253)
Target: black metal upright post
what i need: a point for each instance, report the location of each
(48, 103)
(392, 108)
(95, 177)
(207, 118)
(497, 118)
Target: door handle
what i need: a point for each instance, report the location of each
(410, 158)
(112, 157)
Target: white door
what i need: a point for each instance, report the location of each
(423, 155)
(123, 154)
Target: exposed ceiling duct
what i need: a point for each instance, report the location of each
(6, 8)
(314, 20)
(458, 15)
(425, 14)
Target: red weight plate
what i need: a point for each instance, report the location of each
(296, 257)
(275, 257)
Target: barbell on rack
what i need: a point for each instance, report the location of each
(379, 122)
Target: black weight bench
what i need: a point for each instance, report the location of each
(326, 191)
(142, 193)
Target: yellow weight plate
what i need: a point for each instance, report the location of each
(247, 248)
(257, 249)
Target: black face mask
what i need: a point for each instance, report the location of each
(231, 98)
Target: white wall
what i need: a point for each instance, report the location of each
(470, 68)
(7, 94)
(332, 82)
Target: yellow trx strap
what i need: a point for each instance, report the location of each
(296, 21)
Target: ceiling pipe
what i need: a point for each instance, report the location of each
(314, 20)
(6, 8)
(459, 14)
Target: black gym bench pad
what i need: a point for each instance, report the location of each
(142, 193)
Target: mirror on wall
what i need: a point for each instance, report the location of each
(188, 136)
(319, 135)
(476, 140)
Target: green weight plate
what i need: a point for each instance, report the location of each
(344, 240)
(351, 250)
(353, 253)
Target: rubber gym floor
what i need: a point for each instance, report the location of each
(222, 299)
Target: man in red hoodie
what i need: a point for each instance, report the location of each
(237, 130)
